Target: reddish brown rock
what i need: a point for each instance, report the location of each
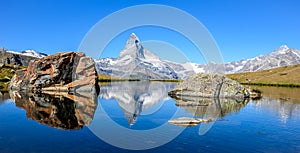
(62, 72)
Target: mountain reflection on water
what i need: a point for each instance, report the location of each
(60, 111)
(282, 101)
(136, 97)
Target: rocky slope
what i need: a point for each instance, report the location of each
(210, 86)
(65, 72)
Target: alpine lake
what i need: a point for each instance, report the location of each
(133, 117)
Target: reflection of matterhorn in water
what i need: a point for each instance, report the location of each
(135, 97)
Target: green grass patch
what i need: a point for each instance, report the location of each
(6, 73)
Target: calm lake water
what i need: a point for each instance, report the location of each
(134, 115)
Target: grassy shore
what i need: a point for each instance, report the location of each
(106, 78)
(287, 76)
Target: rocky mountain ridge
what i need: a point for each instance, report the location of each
(18, 58)
(282, 56)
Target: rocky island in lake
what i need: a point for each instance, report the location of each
(210, 86)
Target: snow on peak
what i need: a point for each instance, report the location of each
(284, 47)
(133, 35)
(133, 48)
(33, 53)
(132, 41)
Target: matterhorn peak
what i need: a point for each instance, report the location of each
(133, 41)
(133, 48)
(133, 35)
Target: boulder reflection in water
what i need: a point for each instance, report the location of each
(62, 111)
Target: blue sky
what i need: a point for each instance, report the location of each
(242, 29)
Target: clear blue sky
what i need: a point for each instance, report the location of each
(241, 28)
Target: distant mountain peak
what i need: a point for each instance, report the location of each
(133, 36)
(33, 53)
(133, 41)
(282, 47)
(133, 48)
(281, 50)
(135, 61)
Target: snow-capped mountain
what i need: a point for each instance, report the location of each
(282, 56)
(31, 53)
(18, 58)
(135, 61)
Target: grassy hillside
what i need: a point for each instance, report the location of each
(288, 76)
(6, 73)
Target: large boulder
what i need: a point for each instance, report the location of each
(210, 86)
(61, 72)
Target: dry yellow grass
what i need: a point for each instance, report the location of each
(106, 78)
(282, 76)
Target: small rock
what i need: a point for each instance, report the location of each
(185, 121)
(284, 99)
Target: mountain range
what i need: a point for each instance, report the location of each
(18, 58)
(137, 62)
(283, 56)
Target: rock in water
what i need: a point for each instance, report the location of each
(186, 122)
(210, 86)
(61, 72)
